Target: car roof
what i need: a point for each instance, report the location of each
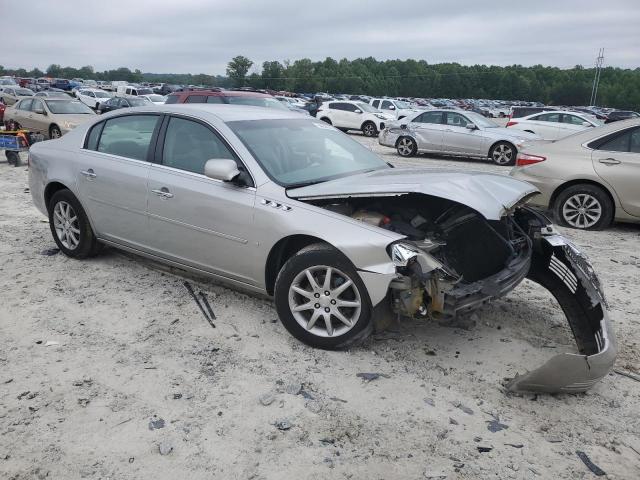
(222, 93)
(226, 113)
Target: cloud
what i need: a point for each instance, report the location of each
(201, 36)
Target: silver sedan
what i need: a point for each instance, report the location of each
(452, 132)
(279, 204)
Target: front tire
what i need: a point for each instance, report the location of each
(54, 132)
(503, 153)
(583, 206)
(321, 300)
(70, 226)
(369, 129)
(406, 147)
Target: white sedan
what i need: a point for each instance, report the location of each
(155, 98)
(92, 97)
(554, 124)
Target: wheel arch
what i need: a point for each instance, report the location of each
(51, 189)
(282, 251)
(405, 136)
(580, 181)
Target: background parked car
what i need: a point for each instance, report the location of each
(233, 97)
(454, 133)
(349, 115)
(621, 115)
(132, 91)
(398, 108)
(10, 95)
(53, 93)
(62, 84)
(555, 124)
(116, 103)
(587, 179)
(51, 117)
(92, 97)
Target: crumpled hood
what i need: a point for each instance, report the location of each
(489, 194)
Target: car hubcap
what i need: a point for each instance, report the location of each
(369, 130)
(324, 301)
(582, 210)
(502, 154)
(405, 147)
(55, 133)
(65, 223)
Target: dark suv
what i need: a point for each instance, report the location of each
(233, 97)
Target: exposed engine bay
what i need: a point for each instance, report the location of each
(453, 260)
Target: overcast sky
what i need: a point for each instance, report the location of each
(200, 36)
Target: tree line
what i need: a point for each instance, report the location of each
(618, 87)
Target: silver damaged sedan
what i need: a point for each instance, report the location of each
(293, 208)
(457, 133)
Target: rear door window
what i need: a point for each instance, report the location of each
(214, 99)
(25, 105)
(429, 117)
(128, 136)
(548, 117)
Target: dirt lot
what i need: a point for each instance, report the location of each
(108, 370)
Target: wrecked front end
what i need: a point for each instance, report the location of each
(453, 260)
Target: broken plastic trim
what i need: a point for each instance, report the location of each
(559, 267)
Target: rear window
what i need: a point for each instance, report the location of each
(196, 99)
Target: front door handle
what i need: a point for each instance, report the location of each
(609, 161)
(89, 173)
(163, 193)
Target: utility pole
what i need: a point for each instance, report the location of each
(596, 78)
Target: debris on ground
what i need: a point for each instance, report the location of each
(49, 252)
(165, 447)
(266, 399)
(293, 388)
(484, 449)
(495, 426)
(282, 424)
(369, 377)
(596, 470)
(462, 407)
(209, 317)
(156, 423)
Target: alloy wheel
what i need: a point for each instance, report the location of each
(405, 147)
(324, 301)
(369, 130)
(65, 222)
(582, 210)
(502, 154)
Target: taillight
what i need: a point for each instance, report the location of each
(525, 159)
(511, 124)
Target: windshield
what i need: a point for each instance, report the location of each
(68, 107)
(24, 92)
(302, 152)
(100, 94)
(401, 104)
(257, 102)
(367, 108)
(481, 121)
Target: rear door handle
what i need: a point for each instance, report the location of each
(89, 173)
(609, 161)
(163, 192)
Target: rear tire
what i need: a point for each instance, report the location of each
(584, 207)
(318, 322)
(369, 129)
(70, 226)
(13, 158)
(503, 154)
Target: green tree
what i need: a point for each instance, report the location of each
(237, 70)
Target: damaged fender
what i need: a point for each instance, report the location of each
(559, 267)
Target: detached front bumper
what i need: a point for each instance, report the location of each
(558, 266)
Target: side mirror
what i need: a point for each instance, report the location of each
(40, 111)
(391, 107)
(357, 111)
(586, 124)
(471, 126)
(221, 169)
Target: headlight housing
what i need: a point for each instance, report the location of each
(402, 253)
(381, 117)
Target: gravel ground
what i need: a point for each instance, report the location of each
(108, 370)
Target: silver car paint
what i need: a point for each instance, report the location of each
(453, 140)
(489, 194)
